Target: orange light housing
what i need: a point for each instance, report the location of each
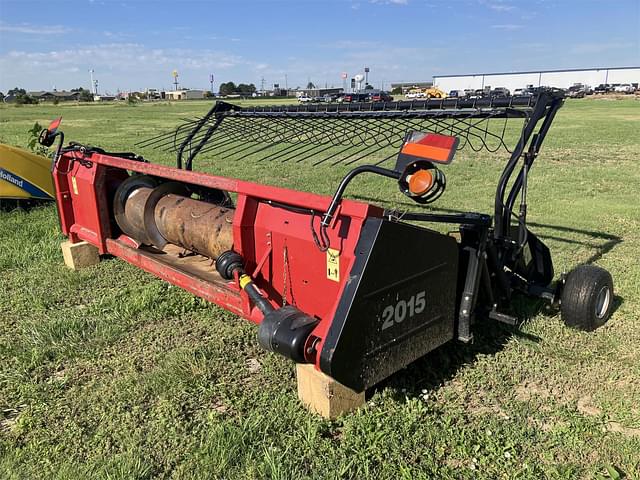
(420, 182)
(429, 146)
(53, 126)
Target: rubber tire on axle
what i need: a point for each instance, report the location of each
(587, 298)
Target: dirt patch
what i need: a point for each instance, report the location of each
(586, 407)
(528, 390)
(547, 424)
(253, 365)
(619, 428)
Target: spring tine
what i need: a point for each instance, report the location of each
(312, 147)
(343, 134)
(355, 153)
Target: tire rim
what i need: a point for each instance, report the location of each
(602, 302)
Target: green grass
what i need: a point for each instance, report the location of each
(110, 373)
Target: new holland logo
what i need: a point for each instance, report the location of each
(4, 175)
(28, 187)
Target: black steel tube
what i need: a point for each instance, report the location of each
(535, 148)
(217, 107)
(205, 138)
(501, 218)
(470, 218)
(326, 218)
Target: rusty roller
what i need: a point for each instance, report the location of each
(157, 214)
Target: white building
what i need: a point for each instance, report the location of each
(186, 95)
(539, 78)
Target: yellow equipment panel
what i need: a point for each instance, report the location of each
(24, 175)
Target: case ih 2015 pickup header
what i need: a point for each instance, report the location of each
(352, 288)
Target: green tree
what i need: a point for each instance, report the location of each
(25, 99)
(17, 91)
(310, 86)
(244, 89)
(85, 96)
(228, 88)
(396, 91)
(368, 87)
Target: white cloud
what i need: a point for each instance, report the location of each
(351, 45)
(115, 56)
(30, 29)
(125, 65)
(507, 26)
(501, 8)
(390, 2)
(497, 5)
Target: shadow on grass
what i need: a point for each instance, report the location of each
(439, 366)
(24, 205)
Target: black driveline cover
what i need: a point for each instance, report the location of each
(398, 304)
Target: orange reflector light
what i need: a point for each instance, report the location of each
(430, 146)
(420, 182)
(53, 126)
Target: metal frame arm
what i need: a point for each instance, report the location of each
(546, 107)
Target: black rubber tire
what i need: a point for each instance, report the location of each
(587, 298)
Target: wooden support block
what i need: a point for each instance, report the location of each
(79, 255)
(322, 394)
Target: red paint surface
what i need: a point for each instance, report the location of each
(276, 243)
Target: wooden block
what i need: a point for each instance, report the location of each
(79, 255)
(322, 394)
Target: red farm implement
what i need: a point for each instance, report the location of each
(355, 289)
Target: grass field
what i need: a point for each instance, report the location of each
(110, 373)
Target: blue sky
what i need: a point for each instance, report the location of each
(136, 44)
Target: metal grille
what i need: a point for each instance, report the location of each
(342, 133)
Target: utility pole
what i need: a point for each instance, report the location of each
(286, 85)
(211, 81)
(91, 86)
(262, 85)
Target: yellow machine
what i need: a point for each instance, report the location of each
(24, 175)
(431, 92)
(434, 92)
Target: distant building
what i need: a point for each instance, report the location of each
(62, 95)
(186, 94)
(539, 78)
(103, 98)
(153, 94)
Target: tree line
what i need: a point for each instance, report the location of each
(23, 98)
(230, 88)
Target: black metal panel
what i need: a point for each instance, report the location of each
(398, 304)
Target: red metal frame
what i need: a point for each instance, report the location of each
(276, 243)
